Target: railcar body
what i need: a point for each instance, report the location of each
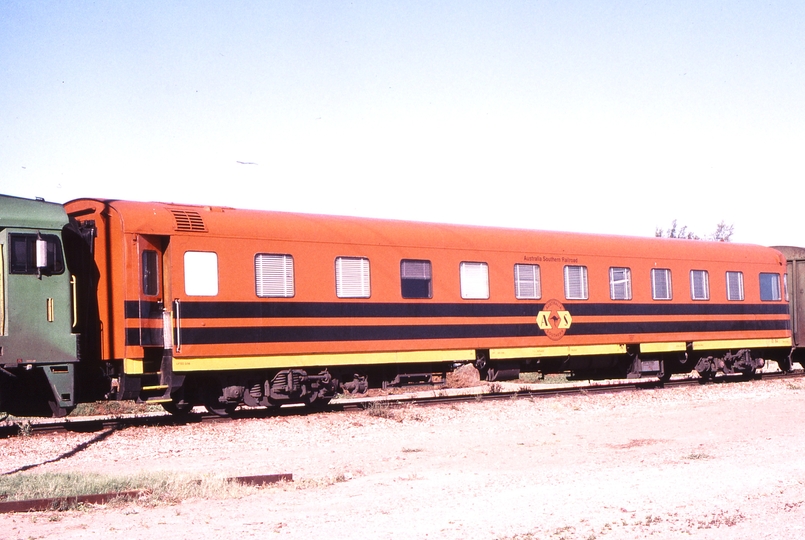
(223, 306)
(37, 346)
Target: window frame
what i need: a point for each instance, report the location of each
(474, 280)
(362, 287)
(704, 276)
(627, 281)
(776, 291)
(263, 287)
(149, 272)
(415, 283)
(583, 273)
(535, 281)
(740, 284)
(199, 274)
(55, 255)
(669, 282)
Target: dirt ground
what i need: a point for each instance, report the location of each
(712, 462)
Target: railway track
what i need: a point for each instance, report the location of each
(430, 397)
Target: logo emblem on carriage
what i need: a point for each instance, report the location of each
(554, 319)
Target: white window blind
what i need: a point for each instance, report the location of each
(576, 282)
(661, 284)
(352, 277)
(474, 280)
(273, 275)
(699, 285)
(735, 286)
(527, 281)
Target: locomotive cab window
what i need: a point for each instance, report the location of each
(699, 285)
(661, 284)
(273, 275)
(352, 277)
(32, 254)
(527, 282)
(735, 286)
(200, 273)
(620, 283)
(416, 279)
(770, 287)
(474, 280)
(576, 283)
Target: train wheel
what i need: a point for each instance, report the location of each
(178, 408)
(221, 409)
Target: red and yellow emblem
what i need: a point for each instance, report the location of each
(554, 319)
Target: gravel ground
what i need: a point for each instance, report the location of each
(712, 462)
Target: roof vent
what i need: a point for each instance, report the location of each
(188, 220)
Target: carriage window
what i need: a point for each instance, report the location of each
(620, 283)
(699, 285)
(527, 281)
(352, 277)
(200, 273)
(661, 284)
(770, 287)
(735, 286)
(474, 280)
(150, 272)
(23, 254)
(273, 276)
(576, 283)
(416, 279)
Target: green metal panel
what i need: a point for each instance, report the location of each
(796, 290)
(31, 214)
(37, 326)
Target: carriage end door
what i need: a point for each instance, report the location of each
(154, 318)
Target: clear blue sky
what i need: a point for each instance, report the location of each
(611, 117)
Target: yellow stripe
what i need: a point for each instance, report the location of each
(132, 366)
(306, 360)
(536, 352)
(741, 344)
(662, 347)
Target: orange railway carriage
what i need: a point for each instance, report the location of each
(224, 306)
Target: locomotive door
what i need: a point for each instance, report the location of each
(155, 328)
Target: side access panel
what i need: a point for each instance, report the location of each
(795, 257)
(796, 287)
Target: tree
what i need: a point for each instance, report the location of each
(723, 232)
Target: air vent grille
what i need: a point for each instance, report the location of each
(188, 220)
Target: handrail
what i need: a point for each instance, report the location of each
(74, 286)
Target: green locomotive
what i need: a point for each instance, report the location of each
(38, 346)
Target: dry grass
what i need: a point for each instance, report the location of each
(112, 408)
(156, 487)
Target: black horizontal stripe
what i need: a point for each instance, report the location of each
(142, 309)
(304, 334)
(282, 310)
(674, 327)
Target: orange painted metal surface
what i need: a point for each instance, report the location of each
(387, 322)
